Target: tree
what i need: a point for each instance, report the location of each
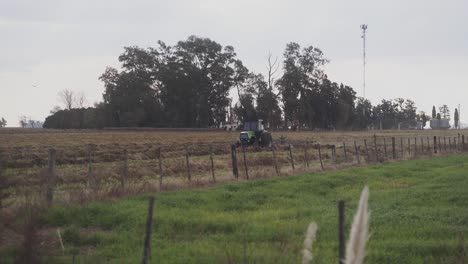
(423, 118)
(438, 116)
(194, 79)
(302, 74)
(186, 85)
(267, 99)
(267, 105)
(55, 110)
(344, 112)
(3, 122)
(456, 118)
(80, 100)
(395, 113)
(77, 118)
(434, 113)
(409, 112)
(23, 121)
(444, 112)
(362, 117)
(71, 99)
(67, 98)
(272, 69)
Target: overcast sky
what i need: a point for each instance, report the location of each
(415, 49)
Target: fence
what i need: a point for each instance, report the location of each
(72, 173)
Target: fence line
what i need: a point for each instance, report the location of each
(253, 158)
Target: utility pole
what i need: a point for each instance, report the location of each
(364, 30)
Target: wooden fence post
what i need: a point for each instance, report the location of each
(187, 162)
(91, 179)
(235, 170)
(402, 148)
(393, 149)
(445, 143)
(320, 157)
(450, 143)
(428, 149)
(291, 157)
(385, 149)
(422, 145)
(459, 146)
(376, 154)
(428, 145)
(415, 146)
(341, 231)
(124, 177)
(333, 151)
(409, 147)
(246, 168)
(275, 162)
(344, 150)
(356, 153)
(50, 180)
(435, 144)
(306, 156)
(367, 150)
(440, 146)
(161, 171)
(149, 224)
(463, 142)
(212, 164)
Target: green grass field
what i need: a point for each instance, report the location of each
(418, 214)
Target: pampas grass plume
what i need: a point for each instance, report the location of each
(308, 241)
(355, 250)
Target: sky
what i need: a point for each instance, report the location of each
(415, 49)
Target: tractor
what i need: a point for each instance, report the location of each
(254, 133)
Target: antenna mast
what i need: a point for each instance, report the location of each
(364, 30)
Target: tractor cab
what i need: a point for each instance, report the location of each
(254, 125)
(254, 132)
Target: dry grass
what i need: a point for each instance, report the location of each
(25, 156)
(57, 138)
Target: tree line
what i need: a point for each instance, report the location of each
(190, 84)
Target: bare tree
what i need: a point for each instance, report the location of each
(71, 99)
(32, 123)
(80, 100)
(23, 121)
(67, 98)
(272, 69)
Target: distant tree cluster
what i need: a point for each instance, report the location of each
(3, 122)
(27, 122)
(189, 84)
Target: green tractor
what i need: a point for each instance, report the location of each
(254, 133)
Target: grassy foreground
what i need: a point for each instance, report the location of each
(418, 214)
